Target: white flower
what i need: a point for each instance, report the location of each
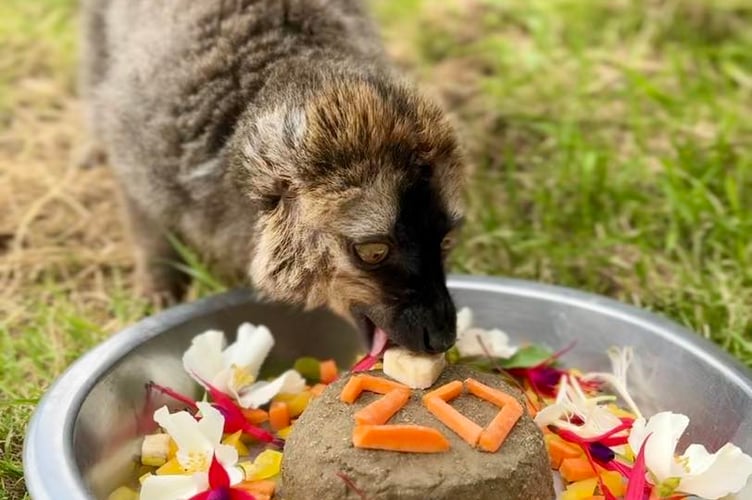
(233, 370)
(473, 341)
(620, 361)
(571, 401)
(697, 472)
(197, 442)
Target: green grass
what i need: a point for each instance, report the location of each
(611, 149)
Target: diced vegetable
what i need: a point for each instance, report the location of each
(155, 449)
(285, 433)
(457, 422)
(309, 368)
(614, 482)
(576, 469)
(403, 438)
(328, 371)
(580, 490)
(296, 403)
(558, 450)
(279, 415)
(123, 493)
(259, 488)
(255, 416)
(494, 435)
(381, 410)
(170, 467)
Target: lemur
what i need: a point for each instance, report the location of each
(279, 141)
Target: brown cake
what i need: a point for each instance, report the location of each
(320, 450)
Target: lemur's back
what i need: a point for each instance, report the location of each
(164, 84)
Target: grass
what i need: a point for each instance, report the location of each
(610, 146)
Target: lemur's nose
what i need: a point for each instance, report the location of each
(429, 325)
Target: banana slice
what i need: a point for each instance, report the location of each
(417, 371)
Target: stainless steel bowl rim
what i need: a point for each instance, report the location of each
(49, 442)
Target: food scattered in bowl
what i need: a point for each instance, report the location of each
(458, 426)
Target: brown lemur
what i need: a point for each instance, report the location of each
(277, 140)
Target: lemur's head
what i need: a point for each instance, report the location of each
(359, 195)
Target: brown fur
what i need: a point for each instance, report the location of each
(273, 136)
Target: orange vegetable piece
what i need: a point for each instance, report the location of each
(317, 389)
(576, 469)
(495, 396)
(360, 383)
(258, 488)
(328, 371)
(596, 497)
(381, 410)
(279, 415)
(256, 416)
(352, 389)
(457, 422)
(558, 450)
(496, 432)
(446, 392)
(403, 437)
(380, 385)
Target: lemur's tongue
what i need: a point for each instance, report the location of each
(379, 342)
(377, 349)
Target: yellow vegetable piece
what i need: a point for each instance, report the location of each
(299, 403)
(123, 493)
(285, 433)
(580, 490)
(614, 483)
(173, 451)
(154, 449)
(170, 467)
(234, 440)
(267, 464)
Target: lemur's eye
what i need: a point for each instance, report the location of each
(372, 253)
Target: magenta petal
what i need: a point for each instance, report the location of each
(365, 363)
(204, 495)
(218, 477)
(636, 482)
(173, 394)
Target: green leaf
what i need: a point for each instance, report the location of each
(309, 368)
(527, 357)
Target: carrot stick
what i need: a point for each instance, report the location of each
(352, 389)
(446, 392)
(381, 410)
(558, 450)
(359, 383)
(496, 432)
(279, 415)
(255, 416)
(380, 385)
(490, 394)
(576, 469)
(460, 424)
(405, 438)
(328, 371)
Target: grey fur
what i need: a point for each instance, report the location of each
(204, 111)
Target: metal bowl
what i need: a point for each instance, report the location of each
(85, 432)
